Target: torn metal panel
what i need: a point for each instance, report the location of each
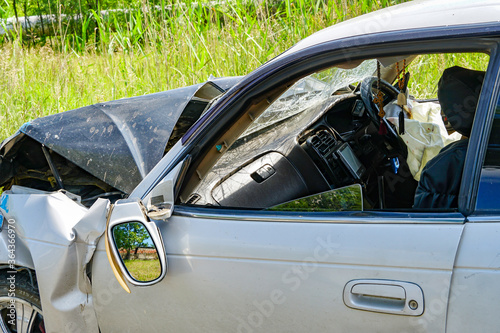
(61, 236)
(29, 164)
(117, 142)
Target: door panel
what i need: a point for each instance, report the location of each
(230, 274)
(475, 289)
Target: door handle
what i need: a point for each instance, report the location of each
(387, 296)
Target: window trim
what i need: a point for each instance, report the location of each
(481, 129)
(361, 217)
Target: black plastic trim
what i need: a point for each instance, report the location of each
(478, 141)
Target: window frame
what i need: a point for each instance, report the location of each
(487, 104)
(442, 45)
(206, 131)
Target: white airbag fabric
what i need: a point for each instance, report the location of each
(425, 135)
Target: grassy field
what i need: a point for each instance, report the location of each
(143, 270)
(426, 70)
(143, 52)
(148, 53)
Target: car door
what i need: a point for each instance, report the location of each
(475, 291)
(279, 272)
(260, 271)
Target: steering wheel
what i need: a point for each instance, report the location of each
(366, 90)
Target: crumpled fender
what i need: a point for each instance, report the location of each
(57, 237)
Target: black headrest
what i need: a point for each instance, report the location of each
(458, 93)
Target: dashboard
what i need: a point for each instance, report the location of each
(310, 153)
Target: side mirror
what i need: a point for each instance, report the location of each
(134, 245)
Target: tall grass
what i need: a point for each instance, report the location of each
(426, 70)
(144, 50)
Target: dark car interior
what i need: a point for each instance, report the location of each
(327, 154)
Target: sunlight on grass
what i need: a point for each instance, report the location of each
(143, 270)
(138, 52)
(426, 70)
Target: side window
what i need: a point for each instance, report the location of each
(489, 186)
(324, 145)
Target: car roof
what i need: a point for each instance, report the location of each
(418, 14)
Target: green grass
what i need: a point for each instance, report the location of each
(145, 52)
(427, 69)
(143, 270)
(142, 52)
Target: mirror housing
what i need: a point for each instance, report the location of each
(137, 253)
(129, 229)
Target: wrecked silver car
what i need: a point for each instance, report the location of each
(325, 191)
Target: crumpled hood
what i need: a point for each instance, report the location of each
(120, 141)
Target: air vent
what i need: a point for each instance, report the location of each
(323, 141)
(193, 198)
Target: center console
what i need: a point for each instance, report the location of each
(335, 159)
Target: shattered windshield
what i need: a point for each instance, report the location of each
(310, 91)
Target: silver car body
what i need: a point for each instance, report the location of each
(249, 272)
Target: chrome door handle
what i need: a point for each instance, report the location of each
(388, 296)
